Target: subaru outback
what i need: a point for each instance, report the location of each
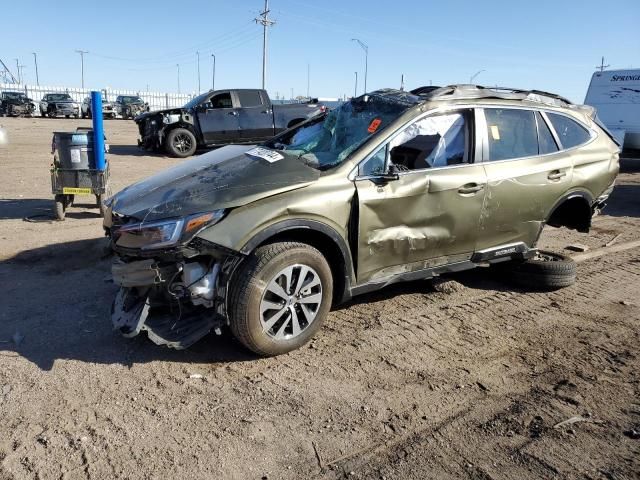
(390, 186)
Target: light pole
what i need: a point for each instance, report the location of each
(308, 78)
(475, 75)
(366, 59)
(18, 71)
(35, 59)
(178, 66)
(198, 54)
(355, 89)
(213, 76)
(82, 52)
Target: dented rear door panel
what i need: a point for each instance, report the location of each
(424, 218)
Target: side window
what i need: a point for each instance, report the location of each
(512, 133)
(570, 133)
(434, 141)
(221, 100)
(374, 165)
(546, 142)
(249, 98)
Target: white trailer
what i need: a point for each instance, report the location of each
(616, 96)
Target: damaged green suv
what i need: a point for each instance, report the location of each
(390, 186)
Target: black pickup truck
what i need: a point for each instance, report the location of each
(219, 117)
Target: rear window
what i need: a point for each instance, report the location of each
(570, 133)
(512, 133)
(249, 98)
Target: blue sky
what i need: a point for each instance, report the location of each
(549, 45)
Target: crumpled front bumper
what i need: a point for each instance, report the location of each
(145, 303)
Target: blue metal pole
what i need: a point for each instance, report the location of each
(98, 131)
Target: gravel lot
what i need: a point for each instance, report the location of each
(462, 379)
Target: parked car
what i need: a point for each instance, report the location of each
(15, 104)
(130, 106)
(108, 110)
(389, 187)
(219, 118)
(55, 104)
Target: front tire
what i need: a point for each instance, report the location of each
(180, 143)
(279, 297)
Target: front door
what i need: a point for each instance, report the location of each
(256, 115)
(218, 119)
(420, 198)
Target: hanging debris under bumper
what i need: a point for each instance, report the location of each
(174, 303)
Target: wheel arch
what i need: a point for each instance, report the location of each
(320, 236)
(573, 211)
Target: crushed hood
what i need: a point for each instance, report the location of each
(153, 113)
(222, 178)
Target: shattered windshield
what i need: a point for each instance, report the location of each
(326, 143)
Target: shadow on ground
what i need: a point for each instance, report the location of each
(40, 209)
(132, 150)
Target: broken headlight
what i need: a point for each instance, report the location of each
(165, 233)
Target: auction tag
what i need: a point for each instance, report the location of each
(264, 153)
(495, 133)
(75, 155)
(373, 126)
(76, 191)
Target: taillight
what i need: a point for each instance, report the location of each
(323, 108)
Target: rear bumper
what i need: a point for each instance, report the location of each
(601, 201)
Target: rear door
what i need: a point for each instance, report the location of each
(218, 119)
(526, 173)
(420, 197)
(256, 115)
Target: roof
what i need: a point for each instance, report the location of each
(465, 91)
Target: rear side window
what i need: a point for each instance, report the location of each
(249, 98)
(512, 133)
(570, 133)
(546, 142)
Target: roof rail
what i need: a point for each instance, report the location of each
(463, 91)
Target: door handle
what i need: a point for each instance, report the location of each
(556, 175)
(234, 113)
(470, 188)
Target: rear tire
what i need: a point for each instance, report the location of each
(298, 272)
(546, 271)
(180, 143)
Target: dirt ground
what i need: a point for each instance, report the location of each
(407, 383)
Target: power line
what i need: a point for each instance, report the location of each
(263, 19)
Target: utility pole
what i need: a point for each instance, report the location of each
(263, 19)
(355, 89)
(178, 65)
(213, 76)
(35, 60)
(82, 52)
(21, 73)
(602, 66)
(366, 59)
(402, 82)
(308, 81)
(199, 89)
(292, 94)
(18, 71)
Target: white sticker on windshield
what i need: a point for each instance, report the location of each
(265, 153)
